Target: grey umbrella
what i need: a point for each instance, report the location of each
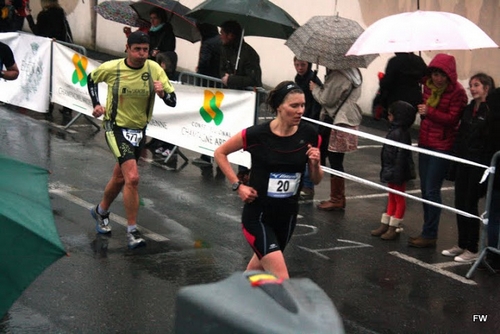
(324, 40)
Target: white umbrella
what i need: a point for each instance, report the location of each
(421, 31)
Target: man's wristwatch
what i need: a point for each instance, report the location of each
(236, 185)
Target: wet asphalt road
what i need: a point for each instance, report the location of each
(191, 220)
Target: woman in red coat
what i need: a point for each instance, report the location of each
(444, 99)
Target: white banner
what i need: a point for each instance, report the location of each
(203, 119)
(69, 79)
(31, 90)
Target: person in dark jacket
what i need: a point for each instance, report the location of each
(401, 80)
(245, 71)
(304, 76)
(474, 134)
(239, 68)
(161, 33)
(51, 22)
(209, 59)
(444, 100)
(396, 168)
(208, 64)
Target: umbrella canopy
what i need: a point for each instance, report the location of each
(324, 40)
(29, 238)
(421, 31)
(184, 27)
(256, 17)
(121, 12)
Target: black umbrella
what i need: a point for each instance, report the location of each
(184, 27)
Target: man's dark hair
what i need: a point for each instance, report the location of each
(231, 27)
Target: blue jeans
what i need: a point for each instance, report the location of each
(432, 171)
(307, 180)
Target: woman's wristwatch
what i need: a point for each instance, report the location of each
(236, 185)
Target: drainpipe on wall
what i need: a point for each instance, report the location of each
(93, 22)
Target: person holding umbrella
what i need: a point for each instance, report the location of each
(245, 71)
(444, 99)
(280, 150)
(338, 98)
(239, 67)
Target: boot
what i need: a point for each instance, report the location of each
(337, 195)
(384, 226)
(395, 228)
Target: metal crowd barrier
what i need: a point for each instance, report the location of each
(484, 233)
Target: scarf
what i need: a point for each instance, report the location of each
(435, 97)
(158, 27)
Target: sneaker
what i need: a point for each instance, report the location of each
(135, 239)
(466, 256)
(166, 153)
(453, 251)
(101, 221)
(159, 150)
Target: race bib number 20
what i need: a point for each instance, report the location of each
(283, 185)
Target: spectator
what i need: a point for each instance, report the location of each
(208, 64)
(6, 11)
(51, 22)
(239, 67)
(338, 98)
(304, 75)
(161, 33)
(396, 168)
(279, 149)
(248, 72)
(162, 40)
(402, 79)
(444, 99)
(17, 21)
(472, 143)
(7, 60)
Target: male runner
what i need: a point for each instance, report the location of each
(132, 84)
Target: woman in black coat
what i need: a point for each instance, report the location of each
(51, 22)
(474, 142)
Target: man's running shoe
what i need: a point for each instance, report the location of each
(101, 221)
(135, 239)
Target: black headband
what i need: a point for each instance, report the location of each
(280, 94)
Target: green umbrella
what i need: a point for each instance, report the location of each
(29, 240)
(257, 17)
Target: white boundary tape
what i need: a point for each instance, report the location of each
(488, 170)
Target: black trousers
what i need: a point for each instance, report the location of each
(468, 191)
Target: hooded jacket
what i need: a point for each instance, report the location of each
(438, 129)
(397, 163)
